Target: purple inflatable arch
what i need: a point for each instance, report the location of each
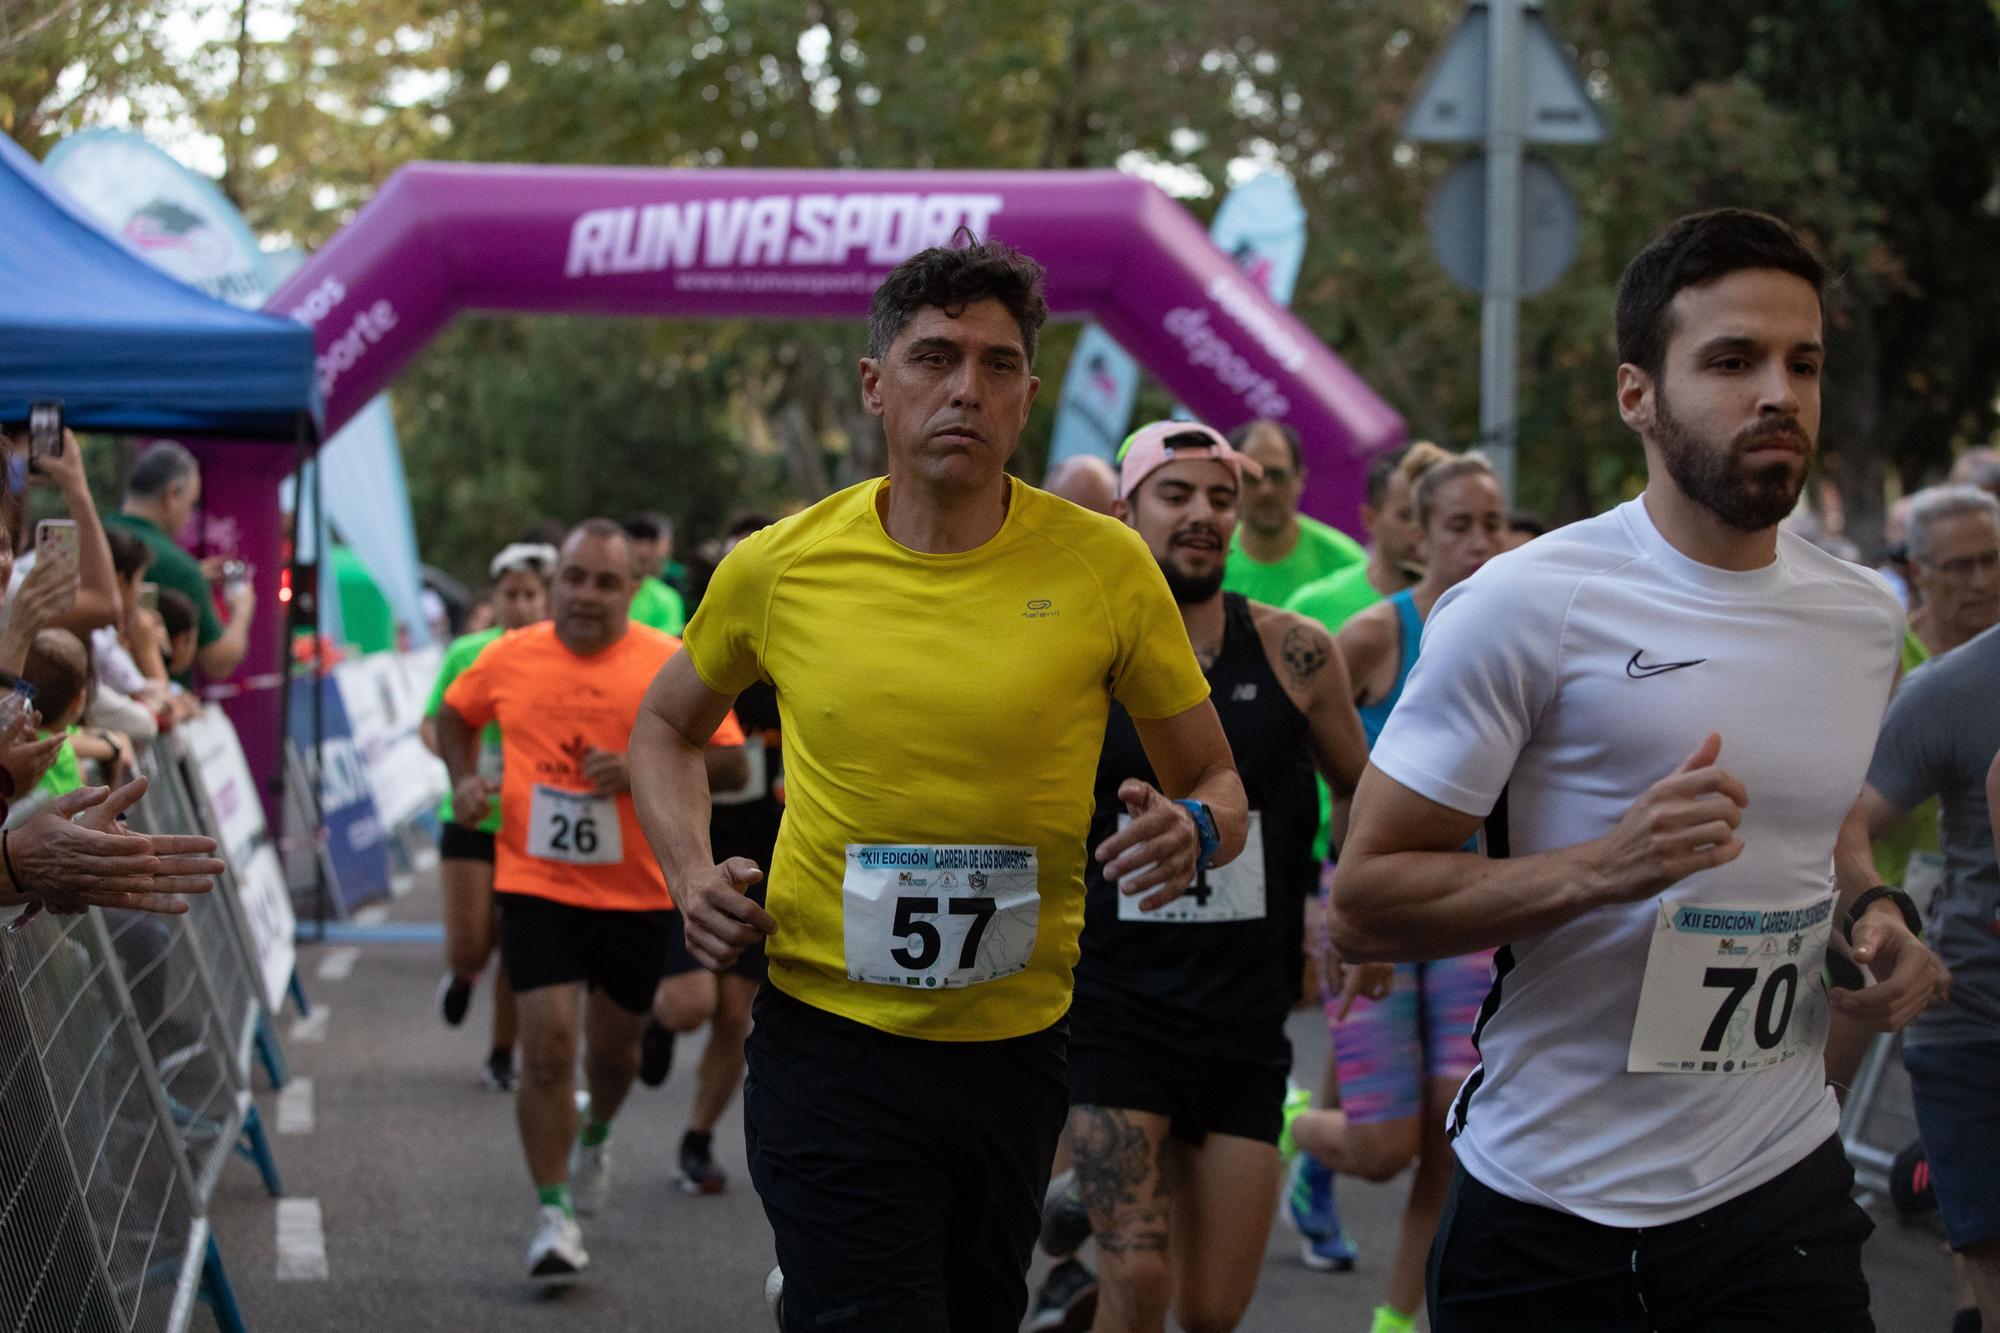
(438, 239)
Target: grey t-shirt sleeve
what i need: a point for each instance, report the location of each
(1915, 734)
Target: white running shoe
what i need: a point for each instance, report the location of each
(556, 1253)
(774, 1296)
(589, 1176)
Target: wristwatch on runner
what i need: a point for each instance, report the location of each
(1204, 827)
(1903, 902)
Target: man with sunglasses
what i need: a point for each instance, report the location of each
(1278, 550)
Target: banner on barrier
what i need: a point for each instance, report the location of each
(225, 777)
(384, 697)
(355, 844)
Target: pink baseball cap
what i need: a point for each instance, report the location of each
(1151, 447)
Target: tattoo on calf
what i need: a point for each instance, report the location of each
(1305, 652)
(1121, 1176)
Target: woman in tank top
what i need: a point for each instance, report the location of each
(1403, 1034)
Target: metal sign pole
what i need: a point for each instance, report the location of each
(1500, 316)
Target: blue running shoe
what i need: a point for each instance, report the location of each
(1310, 1200)
(1335, 1254)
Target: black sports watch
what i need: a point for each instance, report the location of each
(1204, 827)
(1904, 904)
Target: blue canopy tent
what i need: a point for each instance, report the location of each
(124, 347)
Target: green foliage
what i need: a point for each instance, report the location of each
(1869, 128)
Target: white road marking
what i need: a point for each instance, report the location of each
(295, 1106)
(337, 962)
(301, 1241)
(313, 1028)
(372, 915)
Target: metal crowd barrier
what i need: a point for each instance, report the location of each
(126, 1048)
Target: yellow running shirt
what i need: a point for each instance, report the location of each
(942, 718)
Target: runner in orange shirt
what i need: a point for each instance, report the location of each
(584, 904)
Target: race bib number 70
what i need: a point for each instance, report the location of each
(1731, 990)
(939, 916)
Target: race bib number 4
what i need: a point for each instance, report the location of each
(1731, 990)
(939, 916)
(576, 828)
(1234, 892)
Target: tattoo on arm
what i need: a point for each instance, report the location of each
(1305, 651)
(1120, 1176)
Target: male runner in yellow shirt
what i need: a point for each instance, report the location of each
(946, 644)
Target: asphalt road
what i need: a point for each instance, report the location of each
(425, 1208)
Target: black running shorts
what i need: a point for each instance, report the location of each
(903, 1179)
(1785, 1255)
(547, 943)
(459, 843)
(1199, 1093)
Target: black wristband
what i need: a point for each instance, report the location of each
(1903, 902)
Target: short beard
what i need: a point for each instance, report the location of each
(1189, 590)
(1720, 482)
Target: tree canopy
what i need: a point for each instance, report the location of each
(1872, 132)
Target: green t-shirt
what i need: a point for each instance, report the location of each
(174, 568)
(659, 606)
(1333, 601)
(1319, 551)
(1918, 831)
(366, 621)
(462, 654)
(65, 775)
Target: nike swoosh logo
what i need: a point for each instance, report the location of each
(1638, 670)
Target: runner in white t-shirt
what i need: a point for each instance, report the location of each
(1667, 711)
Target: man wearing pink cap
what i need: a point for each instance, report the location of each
(1178, 1056)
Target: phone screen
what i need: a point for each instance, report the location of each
(55, 540)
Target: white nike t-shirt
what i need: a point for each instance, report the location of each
(1575, 673)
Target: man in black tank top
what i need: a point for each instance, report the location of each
(1178, 1054)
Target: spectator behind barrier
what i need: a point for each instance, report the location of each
(96, 599)
(180, 622)
(160, 498)
(72, 854)
(59, 669)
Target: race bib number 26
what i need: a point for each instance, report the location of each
(1731, 990)
(576, 828)
(939, 916)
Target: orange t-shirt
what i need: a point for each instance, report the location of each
(554, 707)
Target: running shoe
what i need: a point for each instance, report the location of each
(454, 998)
(1910, 1182)
(556, 1253)
(498, 1073)
(699, 1173)
(1067, 1302)
(1335, 1254)
(589, 1176)
(1309, 1201)
(656, 1054)
(774, 1296)
(1065, 1222)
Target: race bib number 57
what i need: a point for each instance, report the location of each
(1731, 990)
(939, 916)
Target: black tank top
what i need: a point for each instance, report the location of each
(1221, 986)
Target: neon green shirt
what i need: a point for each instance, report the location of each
(1319, 551)
(1918, 830)
(659, 606)
(463, 653)
(65, 775)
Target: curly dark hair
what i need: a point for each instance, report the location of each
(1698, 249)
(952, 279)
